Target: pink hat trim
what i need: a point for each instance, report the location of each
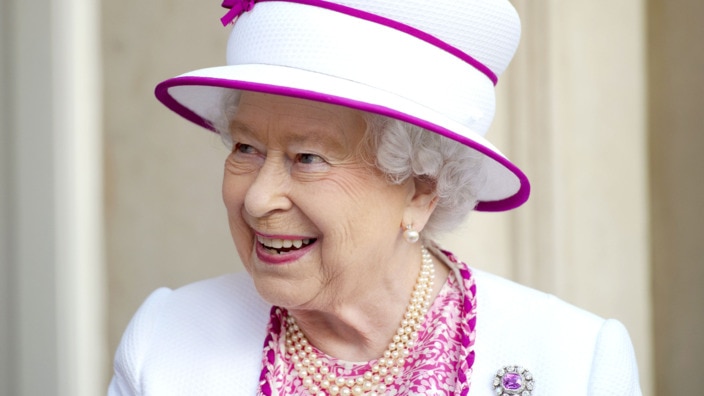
(162, 93)
(238, 7)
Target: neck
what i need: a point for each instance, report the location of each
(360, 328)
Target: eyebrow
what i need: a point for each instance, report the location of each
(335, 140)
(333, 136)
(237, 126)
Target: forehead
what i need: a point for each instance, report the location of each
(296, 119)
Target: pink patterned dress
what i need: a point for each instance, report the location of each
(439, 364)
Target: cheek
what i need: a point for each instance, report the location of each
(358, 207)
(367, 193)
(233, 193)
(234, 190)
(355, 189)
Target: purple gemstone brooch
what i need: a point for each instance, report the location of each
(513, 380)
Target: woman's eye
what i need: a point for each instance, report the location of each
(309, 159)
(244, 148)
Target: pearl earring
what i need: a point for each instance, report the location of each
(411, 235)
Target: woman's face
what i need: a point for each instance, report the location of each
(312, 221)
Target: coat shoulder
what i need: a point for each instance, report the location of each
(562, 345)
(203, 337)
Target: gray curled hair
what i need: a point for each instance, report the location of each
(401, 151)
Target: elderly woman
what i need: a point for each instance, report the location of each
(356, 135)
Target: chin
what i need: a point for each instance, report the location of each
(279, 292)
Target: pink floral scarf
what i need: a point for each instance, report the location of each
(440, 363)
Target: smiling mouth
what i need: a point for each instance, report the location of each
(283, 246)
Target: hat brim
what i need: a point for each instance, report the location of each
(198, 95)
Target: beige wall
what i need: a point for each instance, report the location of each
(165, 220)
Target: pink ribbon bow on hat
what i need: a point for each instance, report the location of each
(237, 8)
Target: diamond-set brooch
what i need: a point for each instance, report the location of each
(513, 380)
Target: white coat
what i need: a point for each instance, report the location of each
(206, 339)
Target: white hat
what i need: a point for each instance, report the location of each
(430, 63)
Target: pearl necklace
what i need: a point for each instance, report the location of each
(320, 381)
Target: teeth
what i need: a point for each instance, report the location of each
(274, 243)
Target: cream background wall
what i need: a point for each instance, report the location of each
(165, 221)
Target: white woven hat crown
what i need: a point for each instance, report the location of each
(433, 64)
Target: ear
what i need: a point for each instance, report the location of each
(422, 200)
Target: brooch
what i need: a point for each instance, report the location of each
(513, 380)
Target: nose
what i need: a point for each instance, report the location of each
(268, 193)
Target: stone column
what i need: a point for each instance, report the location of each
(51, 283)
(676, 123)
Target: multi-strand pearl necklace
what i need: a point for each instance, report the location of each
(320, 381)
